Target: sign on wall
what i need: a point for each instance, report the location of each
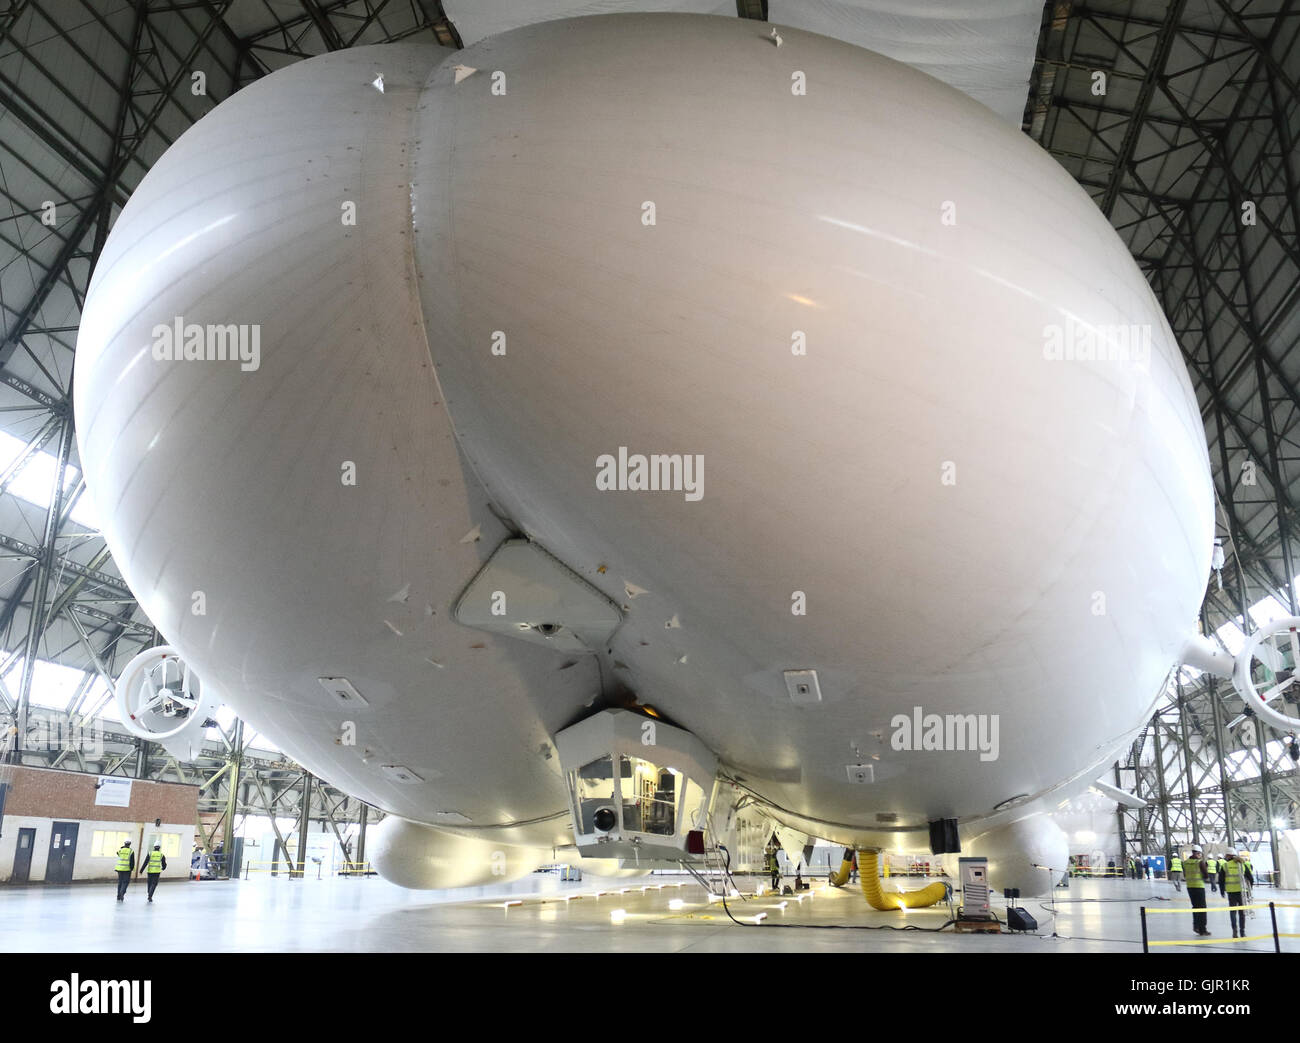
(113, 792)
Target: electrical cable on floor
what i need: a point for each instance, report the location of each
(1096, 901)
(726, 875)
(826, 926)
(1035, 934)
(942, 927)
(861, 927)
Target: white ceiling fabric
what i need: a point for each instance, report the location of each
(984, 48)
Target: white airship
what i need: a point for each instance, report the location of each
(625, 422)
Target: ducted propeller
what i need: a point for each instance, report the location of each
(1288, 629)
(161, 699)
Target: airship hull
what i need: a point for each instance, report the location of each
(943, 449)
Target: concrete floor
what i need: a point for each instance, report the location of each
(367, 915)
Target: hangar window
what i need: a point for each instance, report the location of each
(170, 843)
(105, 842)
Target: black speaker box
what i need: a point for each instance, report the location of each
(1019, 920)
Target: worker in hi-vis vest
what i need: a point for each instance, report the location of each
(1176, 872)
(125, 863)
(1212, 875)
(1234, 875)
(1194, 873)
(155, 862)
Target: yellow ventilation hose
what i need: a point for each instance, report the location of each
(841, 876)
(879, 899)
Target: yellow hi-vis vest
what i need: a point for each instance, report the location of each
(1175, 864)
(155, 862)
(1232, 876)
(1212, 864)
(124, 859)
(1192, 873)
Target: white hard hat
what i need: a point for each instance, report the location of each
(1232, 853)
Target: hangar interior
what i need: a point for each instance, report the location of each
(1179, 118)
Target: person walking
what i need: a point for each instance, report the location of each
(1234, 875)
(125, 864)
(1176, 872)
(1194, 874)
(154, 864)
(1212, 866)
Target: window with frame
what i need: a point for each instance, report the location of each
(105, 842)
(170, 844)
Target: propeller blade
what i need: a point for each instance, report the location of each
(152, 704)
(1272, 692)
(1270, 656)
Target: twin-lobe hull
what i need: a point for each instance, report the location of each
(868, 315)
